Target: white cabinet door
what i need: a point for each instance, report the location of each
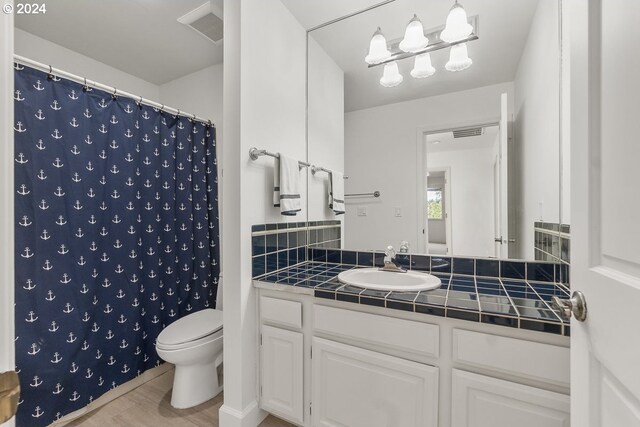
(281, 372)
(353, 387)
(481, 401)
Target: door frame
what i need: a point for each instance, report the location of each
(422, 226)
(7, 277)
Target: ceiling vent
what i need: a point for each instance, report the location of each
(207, 21)
(467, 132)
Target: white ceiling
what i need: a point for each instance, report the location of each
(503, 30)
(313, 13)
(140, 37)
(446, 141)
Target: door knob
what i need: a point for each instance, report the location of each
(576, 305)
(9, 395)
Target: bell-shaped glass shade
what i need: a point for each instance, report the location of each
(457, 27)
(458, 58)
(414, 39)
(391, 76)
(378, 50)
(422, 66)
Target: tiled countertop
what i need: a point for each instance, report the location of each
(507, 302)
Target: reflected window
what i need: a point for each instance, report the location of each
(435, 209)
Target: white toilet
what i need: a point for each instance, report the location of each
(194, 345)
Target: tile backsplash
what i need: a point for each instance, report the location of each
(552, 242)
(282, 245)
(279, 246)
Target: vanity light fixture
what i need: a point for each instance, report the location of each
(422, 66)
(458, 58)
(378, 51)
(458, 31)
(414, 39)
(391, 77)
(457, 27)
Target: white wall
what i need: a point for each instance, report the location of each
(198, 93)
(471, 203)
(264, 106)
(381, 154)
(41, 50)
(537, 127)
(326, 127)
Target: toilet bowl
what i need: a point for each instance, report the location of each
(194, 345)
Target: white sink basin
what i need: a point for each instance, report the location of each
(373, 278)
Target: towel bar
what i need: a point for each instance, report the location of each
(315, 169)
(374, 194)
(254, 153)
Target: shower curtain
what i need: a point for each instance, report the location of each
(116, 237)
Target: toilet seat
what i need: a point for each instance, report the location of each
(191, 344)
(191, 330)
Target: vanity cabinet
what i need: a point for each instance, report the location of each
(282, 373)
(326, 364)
(361, 388)
(483, 401)
(282, 359)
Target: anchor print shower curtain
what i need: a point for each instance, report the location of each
(116, 237)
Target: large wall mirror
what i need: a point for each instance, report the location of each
(468, 162)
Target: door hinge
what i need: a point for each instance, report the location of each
(260, 339)
(310, 408)
(261, 391)
(312, 352)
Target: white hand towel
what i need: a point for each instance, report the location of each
(286, 187)
(336, 192)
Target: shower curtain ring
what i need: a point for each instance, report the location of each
(85, 87)
(50, 75)
(162, 109)
(115, 94)
(194, 118)
(140, 102)
(177, 114)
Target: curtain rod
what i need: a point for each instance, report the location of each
(61, 73)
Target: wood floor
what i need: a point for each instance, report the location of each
(149, 406)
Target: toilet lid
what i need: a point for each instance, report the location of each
(192, 327)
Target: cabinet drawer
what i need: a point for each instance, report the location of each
(406, 335)
(281, 312)
(543, 362)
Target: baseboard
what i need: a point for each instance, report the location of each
(251, 416)
(112, 395)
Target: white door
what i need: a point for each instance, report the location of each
(605, 207)
(504, 176)
(7, 349)
(353, 387)
(281, 372)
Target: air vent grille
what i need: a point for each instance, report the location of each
(209, 26)
(206, 19)
(467, 132)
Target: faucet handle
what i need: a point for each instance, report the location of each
(389, 254)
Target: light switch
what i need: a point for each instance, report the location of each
(362, 211)
(398, 212)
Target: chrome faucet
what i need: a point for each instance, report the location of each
(390, 262)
